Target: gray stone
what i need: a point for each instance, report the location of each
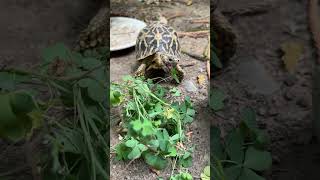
(189, 86)
(255, 75)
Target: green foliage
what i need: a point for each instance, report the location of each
(76, 96)
(19, 115)
(242, 153)
(155, 127)
(182, 176)
(216, 101)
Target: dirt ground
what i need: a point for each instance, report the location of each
(124, 63)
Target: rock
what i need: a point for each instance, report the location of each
(189, 86)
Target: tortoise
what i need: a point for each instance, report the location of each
(158, 50)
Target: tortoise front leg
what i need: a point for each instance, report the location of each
(141, 70)
(180, 72)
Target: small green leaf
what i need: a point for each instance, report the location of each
(136, 125)
(21, 102)
(262, 139)
(96, 91)
(147, 128)
(115, 97)
(155, 161)
(174, 75)
(186, 162)
(248, 116)
(175, 92)
(154, 144)
(135, 153)
(131, 143)
(172, 152)
(234, 146)
(142, 147)
(217, 98)
(257, 160)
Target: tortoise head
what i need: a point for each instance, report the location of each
(164, 62)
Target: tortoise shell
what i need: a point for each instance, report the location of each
(158, 38)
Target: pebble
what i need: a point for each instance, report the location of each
(189, 86)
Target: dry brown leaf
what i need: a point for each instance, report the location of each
(201, 79)
(292, 53)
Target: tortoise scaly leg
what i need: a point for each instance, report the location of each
(141, 70)
(180, 72)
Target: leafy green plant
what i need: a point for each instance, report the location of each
(182, 176)
(154, 127)
(68, 90)
(216, 99)
(242, 154)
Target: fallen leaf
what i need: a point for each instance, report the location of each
(292, 53)
(189, 2)
(201, 79)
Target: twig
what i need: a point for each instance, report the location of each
(195, 56)
(315, 25)
(200, 21)
(177, 14)
(194, 34)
